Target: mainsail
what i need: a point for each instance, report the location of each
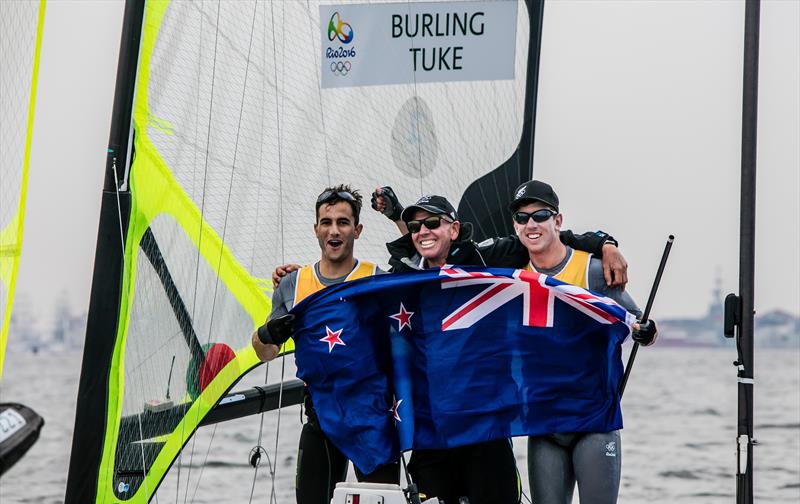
(239, 114)
(21, 24)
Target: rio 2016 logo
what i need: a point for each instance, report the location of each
(339, 29)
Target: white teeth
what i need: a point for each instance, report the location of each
(533, 236)
(427, 243)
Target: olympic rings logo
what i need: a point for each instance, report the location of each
(339, 29)
(340, 67)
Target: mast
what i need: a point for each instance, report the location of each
(90, 412)
(739, 310)
(488, 210)
(525, 167)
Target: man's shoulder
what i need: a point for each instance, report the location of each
(506, 251)
(288, 284)
(596, 278)
(500, 241)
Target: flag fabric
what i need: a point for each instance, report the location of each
(444, 358)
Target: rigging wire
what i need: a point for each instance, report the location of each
(200, 46)
(119, 207)
(203, 466)
(280, 113)
(318, 71)
(255, 453)
(200, 223)
(417, 100)
(122, 250)
(227, 204)
(273, 497)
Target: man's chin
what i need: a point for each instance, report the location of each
(339, 257)
(533, 248)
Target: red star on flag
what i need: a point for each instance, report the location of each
(332, 339)
(403, 317)
(394, 408)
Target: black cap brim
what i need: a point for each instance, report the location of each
(514, 205)
(408, 212)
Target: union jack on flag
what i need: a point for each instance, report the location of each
(538, 293)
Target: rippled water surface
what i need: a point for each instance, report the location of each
(678, 442)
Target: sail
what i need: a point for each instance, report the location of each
(21, 24)
(243, 112)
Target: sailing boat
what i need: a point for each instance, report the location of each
(21, 26)
(228, 116)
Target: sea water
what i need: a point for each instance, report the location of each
(678, 444)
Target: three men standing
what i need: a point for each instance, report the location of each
(484, 472)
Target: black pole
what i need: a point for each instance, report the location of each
(747, 225)
(646, 313)
(536, 17)
(101, 327)
(485, 200)
(150, 247)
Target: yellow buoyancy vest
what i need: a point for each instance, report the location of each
(308, 283)
(576, 271)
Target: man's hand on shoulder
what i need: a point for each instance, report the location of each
(615, 267)
(282, 271)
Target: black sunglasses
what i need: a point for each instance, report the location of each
(537, 216)
(431, 222)
(331, 195)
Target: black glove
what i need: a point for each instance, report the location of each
(391, 205)
(277, 331)
(647, 333)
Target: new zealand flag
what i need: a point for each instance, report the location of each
(450, 357)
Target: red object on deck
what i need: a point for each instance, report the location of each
(216, 358)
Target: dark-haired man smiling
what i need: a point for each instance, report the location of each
(320, 465)
(556, 462)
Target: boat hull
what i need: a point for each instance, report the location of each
(19, 429)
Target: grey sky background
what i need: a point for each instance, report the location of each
(638, 129)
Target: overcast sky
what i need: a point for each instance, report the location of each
(638, 129)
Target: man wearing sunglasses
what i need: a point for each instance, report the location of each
(482, 472)
(557, 461)
(436, 237)
(320, 465)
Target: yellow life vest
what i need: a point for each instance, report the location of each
(308, 282)
(576, 271)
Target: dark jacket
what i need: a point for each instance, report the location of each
(505, 252)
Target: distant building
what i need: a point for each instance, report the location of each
(775, 329)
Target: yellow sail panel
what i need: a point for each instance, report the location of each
(21, 26)
(197, 260)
